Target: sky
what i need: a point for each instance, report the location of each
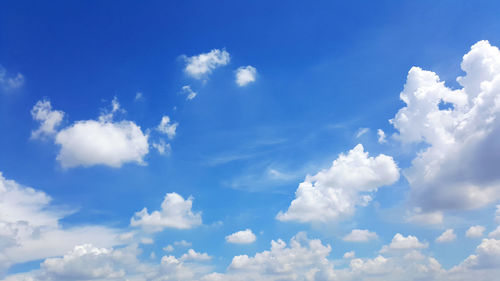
(249, 140)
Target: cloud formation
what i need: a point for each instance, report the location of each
(200, 65)
(360, 235)
(245, 75)
(457, 169)
(8, 83)
(49, 119)
(175, 213)
(335, 192)
(241, 237)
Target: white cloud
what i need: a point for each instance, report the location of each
(88, 143)
(175, 213)
(30, 228)
(139, 96)
(335, 192)
(202, 64)
(245, 75)
(497, 214)
(49, 119)
(193, 255)
(241, 237)
(361, 132)
(487, 257)
(349, 255)
(360, 235)
(457, 169)
(167, 128)
(92, 142)
(447, 236)
(10, 83)
(162, 147)
(302, 259)
(189, 92)
(434, 217)
(475, 231)
(399, 242)
(495, 233)
(381, 136)
(182, 243)
(168, 248)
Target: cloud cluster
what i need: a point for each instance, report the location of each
(200, 65)
(360, 235)
(175, 213)
(245, 75)
(10, 83)
(460, 128)
(335, 192)
(241, 237)
(447, 236)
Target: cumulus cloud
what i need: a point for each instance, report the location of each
(162, 147)
(360, 235)
(418, 216)
(30, 228)
(203, 64)
(166, 127)
(241, 237)
(495, 233)
(487, 256)
(49, 119)
(349, 255)
(335, 192)
(399, 242)
(457, 169)
(175, 213)
(92, 142)
(245, 75)
(447, 236)
(8, 83)
(189, 92)
(475, 231)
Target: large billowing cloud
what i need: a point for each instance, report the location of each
(458, 169)
(30, 228)
(335, 192)
(200, 65)
(93, 142)
(175, 213)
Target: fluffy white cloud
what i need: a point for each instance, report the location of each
(202, 64)
(360, 235)
(349, 255)
(49, 119)
(175, 213)
(475, 231)
(162, 147)
(447, 236)
(193, 255)
(10, 83)
(457, 169)
(487, 256)
(241, 237)
(245, 75)
(303, 259)
(167, 128)
(92, 142)
(336, 191)
(30, 228)
(399, 242)
(432, 217)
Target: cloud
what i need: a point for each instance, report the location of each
(241, 237)
(335, 192)
(49, 119)
(475, 231)
(189, 92)
(245, 75)
(30, 227)
(487, 257)
(167, 128)
(457, 169)
(495, 233)
(349, 255)
(399, 242)
(175, 213)
(381, 136)
(139, 96)
(434, 217)
(193, 255)
(92, 142)
(360, 235)
(447, 236)
(497, 214)
(162, 147)
(362, 131)
(10, 83)
(203, 64)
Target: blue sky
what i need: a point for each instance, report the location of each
(240, 123)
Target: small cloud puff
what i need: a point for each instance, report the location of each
(245, 75)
